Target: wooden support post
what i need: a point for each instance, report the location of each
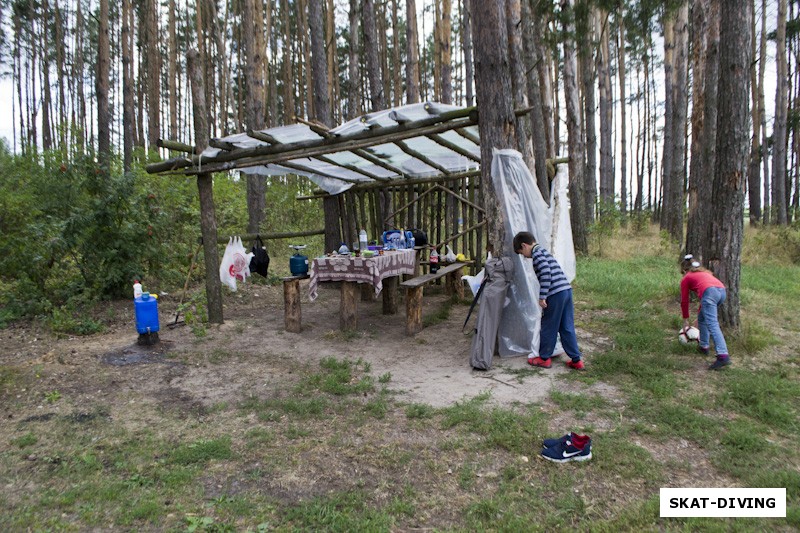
(453, 284)
(390, 296)
(414, 310)
(291, 305)
(208, 223)
(348, 307)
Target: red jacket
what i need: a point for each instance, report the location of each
(696, 282)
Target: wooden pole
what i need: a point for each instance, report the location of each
(291, 302)
(208, 223)
(348, 307)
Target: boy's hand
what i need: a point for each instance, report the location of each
(543, 304)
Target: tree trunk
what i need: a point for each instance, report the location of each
(762, 61)
(497, 123)
(466, 43)
(674, 194)
(584, 21)
(254, 106)
(535, 96)
(544, 69)
(623, 100)
(607, 189)
(669, 128)
(172, 75)
(101, 89)
(574, 137)
(47, 133)
(704, 188)
(519, 85)
(779, 130)
(288, 86)
(412, 53)
(727, 225)
(354, 75)
(445, 52)
(377, 96)
(208, 223)
(699, 171)
(127, 89)
(397, 80)
(754, 170)
(153, 74)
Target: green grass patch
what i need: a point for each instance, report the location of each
(28, 439)
(202, 451)
(349, 511)
(768, 396)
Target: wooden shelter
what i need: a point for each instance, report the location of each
(414, 166)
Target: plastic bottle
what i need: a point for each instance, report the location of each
(434, 261)
(343, 249)
(362, 239)
(402, 245)
(137, 289)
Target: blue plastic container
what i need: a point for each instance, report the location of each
(146, 314)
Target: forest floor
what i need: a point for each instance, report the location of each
(244, 426)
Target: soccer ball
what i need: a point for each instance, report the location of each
(689, 335)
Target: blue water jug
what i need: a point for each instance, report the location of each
(146, 314)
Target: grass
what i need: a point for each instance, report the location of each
(328, 448)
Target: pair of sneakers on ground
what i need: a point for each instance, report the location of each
(722, 361)
(547, 363)
(570, 447)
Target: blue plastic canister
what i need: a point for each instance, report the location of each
(146, 314)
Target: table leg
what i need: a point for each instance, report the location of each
(454, 286)
(367, 292)
(348, 307)
(390, 296)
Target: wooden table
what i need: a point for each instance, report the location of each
(351, 271)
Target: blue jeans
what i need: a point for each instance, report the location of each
(708, 321)
(559, 318)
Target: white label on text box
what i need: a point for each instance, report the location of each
(713, 502)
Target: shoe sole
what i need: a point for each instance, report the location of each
(568, 459)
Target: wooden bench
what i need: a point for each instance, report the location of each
(414, 287)
(291, 303)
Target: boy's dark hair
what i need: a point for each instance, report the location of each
(523, 237)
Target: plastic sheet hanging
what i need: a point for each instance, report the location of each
(525, 210)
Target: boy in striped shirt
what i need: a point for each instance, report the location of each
(555, 299)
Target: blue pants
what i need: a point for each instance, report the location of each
(559, 318)
(707, 319)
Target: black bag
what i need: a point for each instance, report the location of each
(260, 261)
(420, 238)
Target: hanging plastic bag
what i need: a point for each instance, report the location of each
(476, 280)
(235, 263)
(450, 256)
(260, 262)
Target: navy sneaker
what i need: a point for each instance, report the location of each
(578, 448)
(721, 362)
(549, 443)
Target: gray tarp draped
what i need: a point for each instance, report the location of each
(499, 273)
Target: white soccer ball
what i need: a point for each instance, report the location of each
(688, 335)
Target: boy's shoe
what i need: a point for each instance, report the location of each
(720, 363)
(549, 443)
(538, 361)
(578, 448)
(702, 350)
(576, 365)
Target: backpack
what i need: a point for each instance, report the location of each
(420, 237)
(260, 262)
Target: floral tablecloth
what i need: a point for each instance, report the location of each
(361, 269)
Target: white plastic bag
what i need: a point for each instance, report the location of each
(450, 256)
(235, 264)
(476, 280)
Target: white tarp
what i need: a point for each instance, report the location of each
(526, 210)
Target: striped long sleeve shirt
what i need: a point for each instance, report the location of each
(551, 278)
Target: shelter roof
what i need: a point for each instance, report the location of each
(388, 147)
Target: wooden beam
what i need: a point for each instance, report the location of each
(306, 170)
(438, 139)
(352, 168)
(176, 146)
(319, 129)
(169, 165)
(267, 236)
(422, 157)
(369, 156)
(469, 136)
(222, 145)
(454, 237)
(460, 198)
(409, 204)
(261, 136)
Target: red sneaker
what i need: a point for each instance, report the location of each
(538, 361)
(576, 365)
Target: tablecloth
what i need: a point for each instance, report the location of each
(361, 269)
